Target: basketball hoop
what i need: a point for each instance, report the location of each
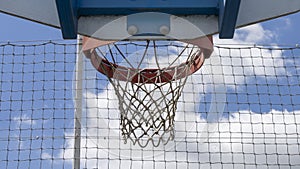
(148, 86)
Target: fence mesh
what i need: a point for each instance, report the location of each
(241, 110)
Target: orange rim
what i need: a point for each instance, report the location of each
(132, 75)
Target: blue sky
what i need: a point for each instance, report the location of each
(286, 28)
(17, 29)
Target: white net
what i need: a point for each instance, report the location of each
(148, 82)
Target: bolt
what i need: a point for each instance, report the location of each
(164, 30)
(132, 30)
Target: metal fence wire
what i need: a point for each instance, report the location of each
(241, 110)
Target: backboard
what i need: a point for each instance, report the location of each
(85, 17)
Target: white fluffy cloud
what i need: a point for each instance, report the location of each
(24, 120)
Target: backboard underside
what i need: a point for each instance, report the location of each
(85, 17)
